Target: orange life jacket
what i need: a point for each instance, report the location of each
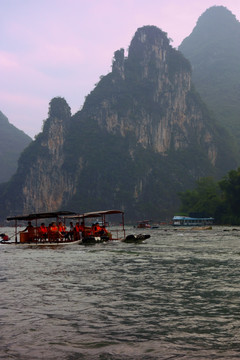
(54, 228)
(43, 229)
(61, 228)
(77, 228)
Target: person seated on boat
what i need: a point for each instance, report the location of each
(43, 231)
(104, 230)
(62, 230)
(4, 237)
(93, 229)
(53, 231)
(77, 230)
(71, 231)
(54, 227)
(82, 229)
(96, 229)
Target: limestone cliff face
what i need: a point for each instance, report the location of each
(162, 117)
(47, 185)
(142, 136)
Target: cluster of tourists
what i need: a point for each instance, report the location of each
(59, 231)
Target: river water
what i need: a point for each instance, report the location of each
(175, 296)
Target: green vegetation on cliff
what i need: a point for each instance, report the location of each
(220, 200)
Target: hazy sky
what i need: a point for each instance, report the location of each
(54, 48)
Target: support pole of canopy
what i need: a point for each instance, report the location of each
(15, 231)
(123, 224)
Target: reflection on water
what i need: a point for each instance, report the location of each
(174, 296)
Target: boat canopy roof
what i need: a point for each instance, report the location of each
(101, 213)
(95, 214)
(41, 215)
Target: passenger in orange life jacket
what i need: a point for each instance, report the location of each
(53, 227)
(53, 231)
(77, 227)
(97, 230)
(82, 227)
(62, 230)
(43, 230)
(77, 231)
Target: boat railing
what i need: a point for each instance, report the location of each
(34, 235)
(117, 234)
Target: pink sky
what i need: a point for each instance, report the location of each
(61, 47)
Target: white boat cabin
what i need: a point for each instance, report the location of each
(192, 221)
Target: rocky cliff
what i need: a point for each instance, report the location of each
(12, 142)
(214, 52)
(46, 184)
(154, 85)
(143, 135)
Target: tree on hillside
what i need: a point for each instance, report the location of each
(220, 200)
(204, 199)
(230, 186)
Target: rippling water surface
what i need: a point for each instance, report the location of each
(175, 296)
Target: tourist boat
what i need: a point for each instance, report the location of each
(87, 221)
(144, 224)
(192, 221)
(87, 236)
(33, 235)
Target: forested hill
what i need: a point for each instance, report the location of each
(213, 49)
(143, 135)
(12, 142)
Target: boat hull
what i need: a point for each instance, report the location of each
(136, 238)
(45, 243)
(92, 240)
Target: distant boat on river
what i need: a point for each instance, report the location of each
(192, 221)
(143, 224)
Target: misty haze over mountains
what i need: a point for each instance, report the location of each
(214, 52)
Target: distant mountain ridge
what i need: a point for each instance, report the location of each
(143, 135)
(12, 142)
(213, 48)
